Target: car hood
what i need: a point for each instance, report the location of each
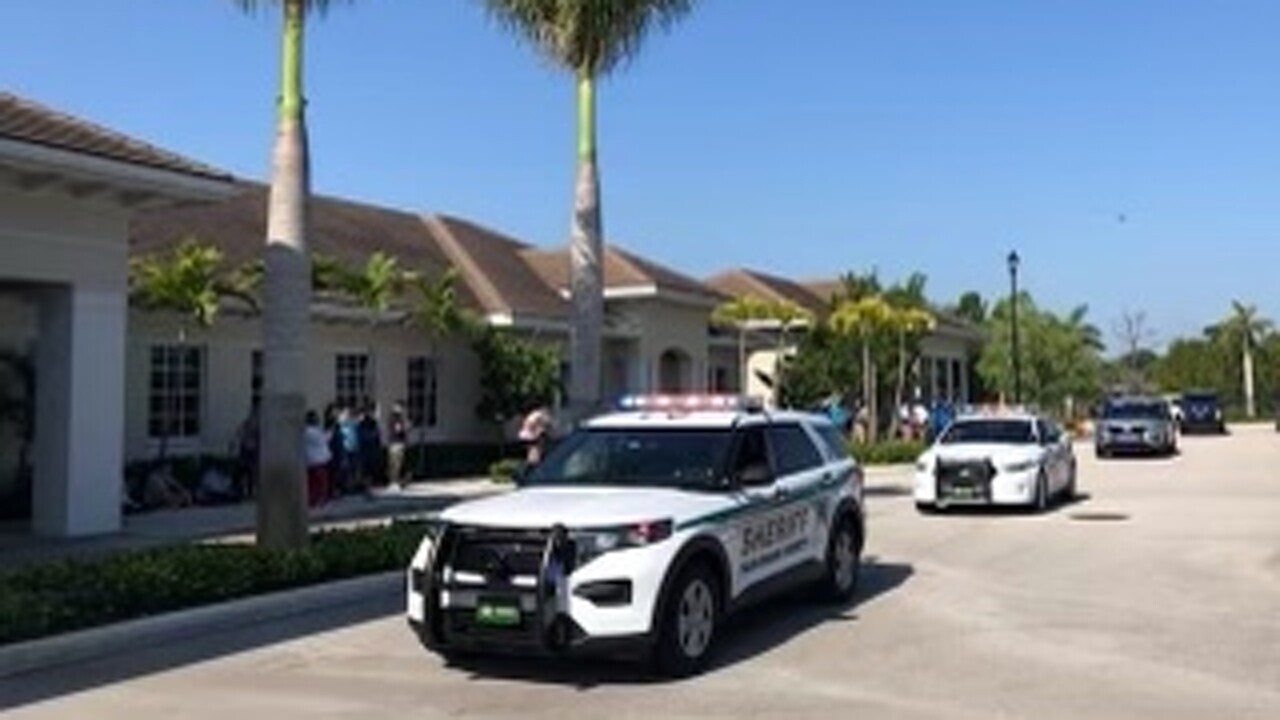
(996, 452)
(583, 507)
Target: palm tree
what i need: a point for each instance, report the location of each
(282, 512)
(864, 317)
(1245, 327)
(435, 311)
(373, 287)
(908, 324)
(191, 281)
(741, 313)
(590, 39)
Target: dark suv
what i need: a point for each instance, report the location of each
(1201, 412)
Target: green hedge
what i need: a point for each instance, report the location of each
(68, 595)
(458, 460)
(888, 452)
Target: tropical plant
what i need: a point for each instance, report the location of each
(589, 38)
(373, 287)
(282, 513)
(741, 313)
(1061, 362)
(1243, 329)
(971, 308)
(192, 281)
(864, 318)
(516, 375)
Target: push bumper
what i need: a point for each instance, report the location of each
(449, 607)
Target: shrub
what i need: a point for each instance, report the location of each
(75, 594)
(452, 460)
(505, 470)
(888, 452)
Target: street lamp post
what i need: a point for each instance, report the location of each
(1015, 348)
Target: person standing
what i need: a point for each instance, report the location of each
(397, 445)
(533, 432)
(349, 451)
(248, 440)
(369, 449)
(316, 444)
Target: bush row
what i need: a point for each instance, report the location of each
(67, 595)
(888, 452)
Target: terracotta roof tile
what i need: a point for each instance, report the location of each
(346, 230)
(28, 122)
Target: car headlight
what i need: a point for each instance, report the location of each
(591, 543)
(1021, 466)
(922, 466)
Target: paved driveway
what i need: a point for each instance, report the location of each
(1166, 607)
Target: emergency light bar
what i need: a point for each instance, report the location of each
(996, 410)
(690, 403)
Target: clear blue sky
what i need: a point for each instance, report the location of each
(803, 138)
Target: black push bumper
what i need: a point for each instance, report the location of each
(526, 569)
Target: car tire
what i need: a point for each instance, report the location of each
(925, 508)
(1069, 492)
(1040, 501)
(690, 619)
(843, 562)
(1101, 454)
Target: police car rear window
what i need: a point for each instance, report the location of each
(692, 458)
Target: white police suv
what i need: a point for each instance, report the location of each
(996, 456)
(641, 532)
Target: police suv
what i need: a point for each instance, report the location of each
(996, 456)
(641, 532)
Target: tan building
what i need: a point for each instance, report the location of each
(942, 371)
(657, 331)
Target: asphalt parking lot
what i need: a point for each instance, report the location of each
(1156, 595)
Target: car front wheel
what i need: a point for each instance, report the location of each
(689, 623)
(844, 561)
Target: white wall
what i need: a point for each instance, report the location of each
(73, 254)
(670, 325)
(229, 345)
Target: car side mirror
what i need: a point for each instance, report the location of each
(755, 475)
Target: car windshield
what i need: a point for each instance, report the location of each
(688, 458)
(1202, 399)
(1136, 411)
(1004, 432)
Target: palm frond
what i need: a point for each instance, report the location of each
(592, 36)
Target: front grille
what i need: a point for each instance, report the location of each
(498, 555)
(964, 479)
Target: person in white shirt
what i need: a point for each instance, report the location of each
(316, 441)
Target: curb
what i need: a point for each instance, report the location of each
(82, 645)
(882, 470)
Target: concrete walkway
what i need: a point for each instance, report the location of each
(236, 522)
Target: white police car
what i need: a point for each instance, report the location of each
(641, 532)
(996, 457)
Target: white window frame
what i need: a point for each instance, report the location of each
(351, 379)
(423, 405)
(179, 438)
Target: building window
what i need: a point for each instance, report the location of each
(176, 387)
(720, 380)
(351, 380)
(422, 392)
(255, 377)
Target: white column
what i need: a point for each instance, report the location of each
(79, 460)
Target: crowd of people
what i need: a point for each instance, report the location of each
(916, 420)
(347, 451)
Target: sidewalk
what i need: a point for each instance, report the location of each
(236, 522)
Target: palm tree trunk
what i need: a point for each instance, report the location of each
(868, 389)
(586, 259)
(900, 386)
(282, 513)
(1250, 408)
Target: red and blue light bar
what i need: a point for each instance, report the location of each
(698, 402)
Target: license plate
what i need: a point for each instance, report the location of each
(498, 614)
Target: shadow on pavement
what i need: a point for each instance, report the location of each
(1058, 507)
(886, 490)
(53, 682)
(750, 633)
